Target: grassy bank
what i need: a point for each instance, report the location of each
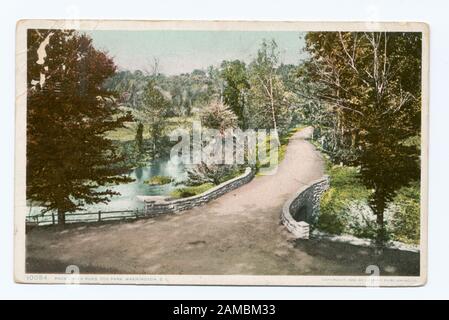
(345, 188)
(344, 208)
(191, 191)
(283, 140)
(128, 133)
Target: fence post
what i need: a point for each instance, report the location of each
(99, 216)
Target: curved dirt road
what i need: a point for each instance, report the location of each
(239, 233)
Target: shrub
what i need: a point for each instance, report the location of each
(159, 180)
(218, 116)
(215, 173)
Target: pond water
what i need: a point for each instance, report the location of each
(127, 200)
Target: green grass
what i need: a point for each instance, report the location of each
(284, 140)
(158, 180)
(345, 186)
(128, 133)
(406, 222)
(185, 192)
(180, 122)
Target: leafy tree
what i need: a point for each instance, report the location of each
(288, 74)
(154, 112)
(236, 87)
(269, 101)
(370, 83)
(68, 114)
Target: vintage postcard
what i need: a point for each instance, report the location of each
(221, 153)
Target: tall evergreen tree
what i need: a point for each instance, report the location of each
(139, 139)
(68, 114)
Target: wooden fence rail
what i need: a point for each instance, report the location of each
(98, 216)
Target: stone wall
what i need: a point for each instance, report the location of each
(157, 205)
(302, 209)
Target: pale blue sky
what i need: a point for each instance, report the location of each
(184, 51)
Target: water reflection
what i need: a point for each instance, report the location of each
(128, 192)
(138, 172)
